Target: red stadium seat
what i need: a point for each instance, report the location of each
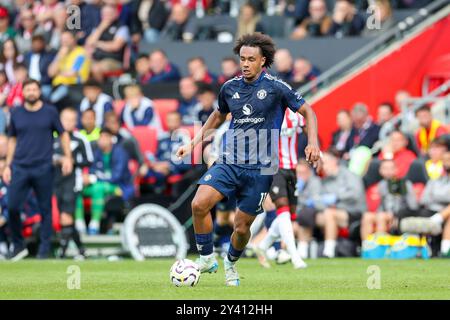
(147, 138)
(118, 106)
(373, 198)
(163, 107)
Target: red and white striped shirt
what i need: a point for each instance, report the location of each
(287, 147)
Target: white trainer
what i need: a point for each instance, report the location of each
(208, 264)
(231, 275)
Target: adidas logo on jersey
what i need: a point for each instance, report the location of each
(236, 96)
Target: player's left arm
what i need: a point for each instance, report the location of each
(312, 150)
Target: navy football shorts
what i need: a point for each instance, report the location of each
(248, 185)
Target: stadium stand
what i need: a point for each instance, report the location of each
(349, 70)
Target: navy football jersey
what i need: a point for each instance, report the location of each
(257, 110)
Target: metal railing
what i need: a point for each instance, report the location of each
(406, 119)
(373, 48)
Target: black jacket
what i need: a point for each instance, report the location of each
(157, 17)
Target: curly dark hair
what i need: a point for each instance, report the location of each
(262, 41)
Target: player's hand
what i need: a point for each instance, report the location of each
(183, 151)
(7, 175)
(67, 166)
(312, 152)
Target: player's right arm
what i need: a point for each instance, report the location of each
(214, 121)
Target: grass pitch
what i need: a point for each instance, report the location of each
(324, 279)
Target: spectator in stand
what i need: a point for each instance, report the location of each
(15, 97)
(383, 21)
(175, 28)
(188, 101)
(9, 58)
(6, 31)
(38, 61)
(347, 21)
(70, 66)
(162, 70)
(28, 28)
(88, 127)
(126, 140)
(96, 100)
(396, 150)
(398, 200)
(304, 71)
(400, 98)
(385, 114)
(248, 21)
(434, 165)
(5, 87)
(90, 17)
(207, 103)
(59, 25)
(198, 70)
(429, 129)
(342, 202)
(108, 176)
(284, 64)
(299, 10)
(149, 19)
(308, 190)
(409, 122)
(230, 69)
(45, 11)
(142, 66)
(107, 43)
(366, 131)
(138, 110)
(435, 210)
(318, 23)
(162, 167)
(342, 138)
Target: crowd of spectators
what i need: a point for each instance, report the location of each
(374, 176)
(36, 43)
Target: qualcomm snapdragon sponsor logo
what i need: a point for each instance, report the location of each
(247, 110)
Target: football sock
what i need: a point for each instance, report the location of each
(270, 217)
(287, 235)
(233, 254)
(303, 249)
(329, 248)
(76, 238)
(66, 235)
(204, 243)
